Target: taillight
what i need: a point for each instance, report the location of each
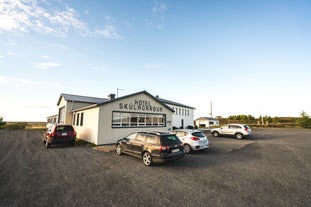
(51, 134)
(195, 138)
(246, 129)
(74, 133)
(163, 148)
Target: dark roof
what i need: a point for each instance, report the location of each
(207, 118)
(173, 103)
(100, 101)
(84, 99)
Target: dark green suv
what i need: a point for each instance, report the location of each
(151, 146)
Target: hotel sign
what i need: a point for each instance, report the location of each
(140, 105)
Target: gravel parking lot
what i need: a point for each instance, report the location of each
(270, 169)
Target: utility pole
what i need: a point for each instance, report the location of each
(211, 110)
(119, 89)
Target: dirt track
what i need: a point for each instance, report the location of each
(273, 169)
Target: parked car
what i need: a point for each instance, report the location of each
(151, 146)
(193, 140)
(239, 131)
(59, 133)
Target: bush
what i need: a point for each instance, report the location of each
(2, 123)
(16, 125)
(304, 121)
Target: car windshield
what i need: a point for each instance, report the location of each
(63, 129)
(198, 134)
(170, 140)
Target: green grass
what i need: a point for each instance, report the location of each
(81, 142)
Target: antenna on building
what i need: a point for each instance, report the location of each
(119, 89)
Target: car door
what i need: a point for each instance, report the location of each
(225, 130)
(127, 143)
(137, 144)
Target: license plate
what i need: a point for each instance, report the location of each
(175, 150)
(64, 134)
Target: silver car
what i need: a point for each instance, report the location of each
(239, 131)
(193, 140)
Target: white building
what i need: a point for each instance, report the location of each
(104, 121)
(205, 122)
(183, 115)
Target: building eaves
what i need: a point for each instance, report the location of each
(134, 94)
(174, 103)
(78, 98)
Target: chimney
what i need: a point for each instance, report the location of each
(111, 96)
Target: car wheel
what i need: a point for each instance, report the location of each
(119, 149)
(216, 134)
(187, 149)
(238, 135)
(147, 159)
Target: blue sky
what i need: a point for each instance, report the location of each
(245, 56)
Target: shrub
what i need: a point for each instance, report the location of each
(2, 123)
(304, 121)
(16, 125)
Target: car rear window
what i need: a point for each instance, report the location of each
(64, 129)
(170, 140)
(198, 134)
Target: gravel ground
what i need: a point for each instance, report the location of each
(270, 169)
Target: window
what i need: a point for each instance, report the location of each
(151, 139)
(131, 136)
(74, 119)
(64, 129)
(78, 118)
(122, 119)
(81, 119)
(148, 120)
(140, 138)
(142, 120)
(61, 115)
(181, 134)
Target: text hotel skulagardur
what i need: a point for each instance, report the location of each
(140, 105)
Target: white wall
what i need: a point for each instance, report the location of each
(108, 135)
(89, 130)
(182, 115)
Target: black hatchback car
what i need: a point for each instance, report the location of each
(151, 146)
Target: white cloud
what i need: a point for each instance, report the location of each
(159, 7)
(108, 32)
(158, 12)
(58, 46)
(154, 66)
(46, 65)
(18, 82)
(24, 16)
